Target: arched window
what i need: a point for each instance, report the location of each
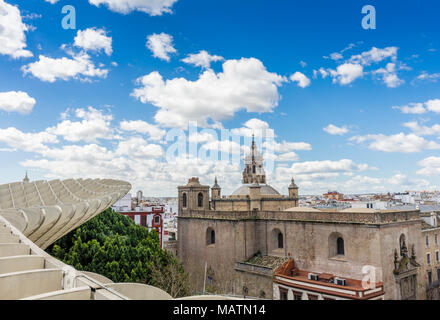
(254, 169)
(200, 200)
(184, 200)
(210, 236)
(336, 245)
(280, 241)
(340, 246)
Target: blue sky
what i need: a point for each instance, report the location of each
(71, 105)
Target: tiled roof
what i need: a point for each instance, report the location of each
(272, 262)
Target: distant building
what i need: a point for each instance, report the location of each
(376, 205)
(333, 195)
(150, 217)
(431, 243)
(123, 204)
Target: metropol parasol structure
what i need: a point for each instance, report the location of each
(33, 215)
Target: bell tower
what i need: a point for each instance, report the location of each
(215, 190)
(253, 166)
(193, 196)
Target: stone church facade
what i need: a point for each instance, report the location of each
(219, 237)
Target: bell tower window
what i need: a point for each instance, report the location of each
(200, 200)
(184, 200)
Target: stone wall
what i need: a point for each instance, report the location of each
(369, 238)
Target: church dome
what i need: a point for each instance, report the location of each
(265, 189)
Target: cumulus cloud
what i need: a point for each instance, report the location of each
(139, 148)
(161, 44)
(336, 56)
(285, 146)
(334, 130)
(230, 147)
(315, 175)
(433, 105)
(78, 67)
(16, 101)
(389, 75)
(12, 29)
(93, 125)
(324, 73)
(140, 126)
(94, 40)
(254, 126)
(425, 76)
(288, 156)
(346, 73)
(412, 108)
(431, 166)
(29, 142)
(151, 7)
(405, 143)
(422, 130)
(374, 55)
(243, 84)
(343, 165)
(421, 107)
(202, 59)
(301, 79)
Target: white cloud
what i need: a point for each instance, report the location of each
(346, 73)
(327, 166)
(202, 59)
(302, 80)
(433, 105)
(431, 166)
(139, 148)
(374, 55)
(422, 130)
(412, 108)
(203, 137)
(420, 108)
(285, 146)
(334, 130)
(140, 126)
(389, 75)
(406, 143)
(230, 147)
(161, 45)
(94, 125)
(324, 74)
(12, 29)
(50, 70)
(428, 77)
(243, 84)
(95, 40)
(16, 101)
(336, 56)
(151, 7)
(254, 126)
(29, 142)
(52, 1)
(288, 156)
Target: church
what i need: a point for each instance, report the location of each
(257, 242)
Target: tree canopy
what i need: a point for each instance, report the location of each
(112, 245)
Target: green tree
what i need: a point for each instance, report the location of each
(114, 246)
